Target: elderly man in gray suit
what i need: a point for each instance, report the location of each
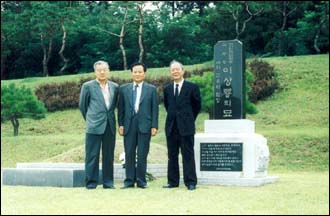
(138, 121)
(98, 100)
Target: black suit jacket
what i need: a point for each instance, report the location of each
(185, 110)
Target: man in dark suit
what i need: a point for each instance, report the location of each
(98, 100)
(183, 103)
(138, 121)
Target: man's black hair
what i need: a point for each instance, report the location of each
(139, 63)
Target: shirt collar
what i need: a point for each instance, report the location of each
(106, 83)
(140, 84)
(180, 83)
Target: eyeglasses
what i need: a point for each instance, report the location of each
(101, 70)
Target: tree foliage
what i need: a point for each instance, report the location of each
(19, 102)
(32, 32)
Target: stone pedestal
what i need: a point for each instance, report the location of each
(231, 153)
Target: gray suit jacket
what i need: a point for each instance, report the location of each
(93, 108)
(148, 108)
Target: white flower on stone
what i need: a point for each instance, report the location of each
(122, 159)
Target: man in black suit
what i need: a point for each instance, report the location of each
(183, 103)
(138, 121)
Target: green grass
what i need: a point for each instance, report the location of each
(295, 121)
(305, 193)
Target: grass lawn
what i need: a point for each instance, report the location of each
(295, 121)
(305, 193)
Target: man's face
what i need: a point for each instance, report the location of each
(101, 72)
(138, 74)
(176, 72)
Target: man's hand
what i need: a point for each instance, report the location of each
(153, 131)
(121, 130)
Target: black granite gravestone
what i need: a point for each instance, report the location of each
(229, 80)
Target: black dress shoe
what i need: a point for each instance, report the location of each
(91, 186)
(143, 186)
(191, 187)
(170, 186)
(109, 187)
(127, 186)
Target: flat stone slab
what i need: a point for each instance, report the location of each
(43, 177)
(64, 174)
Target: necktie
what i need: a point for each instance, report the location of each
(176, 94)
(134, 97)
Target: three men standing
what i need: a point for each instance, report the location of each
(138, 121)
(182, 102)
(98, 100)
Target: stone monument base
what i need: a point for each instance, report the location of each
(231, 153)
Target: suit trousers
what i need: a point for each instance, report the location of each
(186, 143)
(136, 144)
(92, 149)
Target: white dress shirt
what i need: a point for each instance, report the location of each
(106, 93)
(138, 95)
(179, 87)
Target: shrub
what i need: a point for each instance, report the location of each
(59, 96)
(199, 71)
(206, 86)
(265, 82)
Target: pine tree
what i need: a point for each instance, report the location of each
(20, 102)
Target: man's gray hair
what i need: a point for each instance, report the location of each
(176, 62)
(101, 63)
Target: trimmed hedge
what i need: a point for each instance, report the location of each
(60, 96)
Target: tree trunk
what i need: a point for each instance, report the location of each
(285, 14)
(44, 59)
(3, 58)
(211, 114)
(121, 44)
(173, 8)
(140, 8)
(281, 39)
(316, 47)
(66, 61)
(121, 41)
(15, 124)
(235, 14)
(317, 35)
(47, 55)
(280, 43)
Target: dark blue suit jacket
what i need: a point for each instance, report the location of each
(148, 108)
(185, 111)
